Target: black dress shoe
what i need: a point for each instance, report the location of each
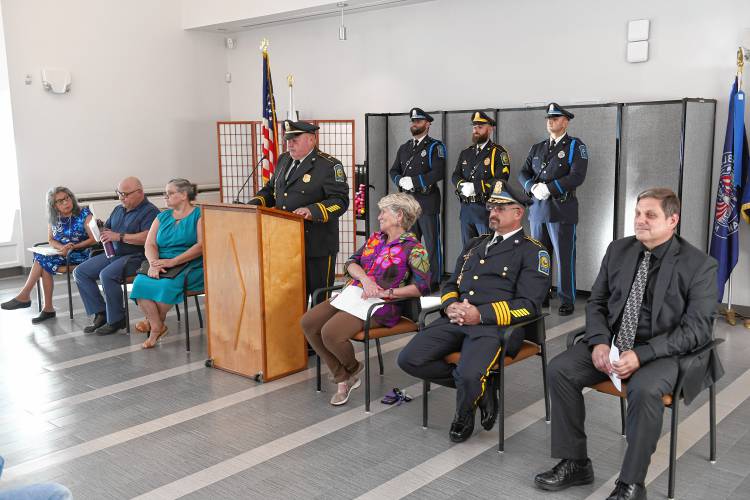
(625, 491)
(43, 316)
(488, 408)
(566, 309)
(100, 319)
(462, 427)
(566, 473)
(14, 304)
(109, 329)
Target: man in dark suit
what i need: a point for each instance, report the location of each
(313, 184)
(418, 167)
(652, 301)
(553, 170)
(500, 279)
(478, 168)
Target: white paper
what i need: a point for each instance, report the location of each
(44, 250)
(350, 300)
(614, 355)
(95, 230)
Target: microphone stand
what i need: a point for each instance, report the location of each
(244, 185)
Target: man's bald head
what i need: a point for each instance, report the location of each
(130, 191)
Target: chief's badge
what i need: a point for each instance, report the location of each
(561, 154)
(306, 178)
(424, 153)
(486, 161)
(338, 170)
(544, 262)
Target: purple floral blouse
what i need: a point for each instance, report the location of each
(392, 264)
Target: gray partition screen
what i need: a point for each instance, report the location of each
(377, 162)
(650, 155)
(696, 172)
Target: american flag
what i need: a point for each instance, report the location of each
(269, 128)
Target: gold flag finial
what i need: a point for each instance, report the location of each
(264, 45)
(290, 80)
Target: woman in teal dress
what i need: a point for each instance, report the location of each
(70, 235)
(175, 238)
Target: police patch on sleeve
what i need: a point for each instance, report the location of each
(504, 158)
(441, 151)
(338, 171)
(584, 153)
(544, 262)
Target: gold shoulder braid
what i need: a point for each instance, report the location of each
(466, 259)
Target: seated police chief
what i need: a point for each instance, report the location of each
(653, 299)
(67, 232)
(175, 239)
(500, 278)
(126, 228)
(391, 264)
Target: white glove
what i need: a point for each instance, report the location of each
(540, 191)
(406, 183)
(467, 189)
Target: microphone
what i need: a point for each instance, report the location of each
(244, 185)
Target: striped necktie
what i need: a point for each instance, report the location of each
(629, 323)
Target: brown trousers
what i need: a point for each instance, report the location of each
(329, 332)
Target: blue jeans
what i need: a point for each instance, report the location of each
(43, 491)
(109, 272)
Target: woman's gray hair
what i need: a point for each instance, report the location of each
(402, 203)
(53, 215)
(185, 186)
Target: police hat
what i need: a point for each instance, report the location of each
(554, 109)
(481, 118)
(293, 129)
(504, 194)
(419, 114)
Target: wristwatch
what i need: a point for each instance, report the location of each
(122, 237)
(390, 293)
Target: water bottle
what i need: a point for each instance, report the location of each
(109, 247)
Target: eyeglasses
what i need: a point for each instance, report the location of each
(60, 201)
(167, 194)
(125, 195)
(500, 208)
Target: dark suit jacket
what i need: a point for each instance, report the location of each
(319, 184)
(684, 299)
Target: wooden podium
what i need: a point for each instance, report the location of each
(254, 262)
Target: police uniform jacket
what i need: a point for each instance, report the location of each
(562, 170)
(318, 184)
(507, 283)
(426, 167)
(483, 170)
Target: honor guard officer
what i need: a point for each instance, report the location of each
(477, 169)
(552, 172)
(418, 167)
(313, 184)
(500, 279)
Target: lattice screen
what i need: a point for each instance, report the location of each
(240, 149)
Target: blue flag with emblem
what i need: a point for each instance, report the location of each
(732, 181)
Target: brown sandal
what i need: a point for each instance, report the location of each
(143, 326)
(147, 345)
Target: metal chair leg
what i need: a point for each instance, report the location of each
(425, 393)
(546, 387)
(39, 294)
(70, 295)
(317, 373)
(712, 421)
(177, 310)
(380, 355)
(623, 412)
(126, 305)
(367, 375)
(673, 447)
(500, 387)
(187, 322)
(198, 308)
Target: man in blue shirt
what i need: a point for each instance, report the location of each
(126, 228)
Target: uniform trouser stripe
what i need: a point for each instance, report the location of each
(487, 374)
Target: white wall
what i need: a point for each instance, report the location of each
(459, 55)
(145, 97)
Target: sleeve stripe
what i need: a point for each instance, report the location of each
(323, 211)
(497, 312)
(449, 295)
(506, 312)
(262, 200)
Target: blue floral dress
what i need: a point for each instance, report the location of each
(67, 230)
(173, 238)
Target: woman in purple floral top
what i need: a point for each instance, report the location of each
(392, 264)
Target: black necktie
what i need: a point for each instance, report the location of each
(292, 169)
(629, 323)
(551, 144)
(415, 144)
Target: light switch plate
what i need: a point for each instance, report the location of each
(638, 30)
(637, 52)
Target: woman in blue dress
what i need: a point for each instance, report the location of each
(175, 238)
(69, 233)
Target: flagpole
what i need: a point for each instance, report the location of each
(292, 113)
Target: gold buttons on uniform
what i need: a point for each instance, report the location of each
(471, 292)
(476, 277)
(503, 274)
(481, 261)
(286, 194)
(283, 207)
(505, 268)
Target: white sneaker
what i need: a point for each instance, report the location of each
(345, 389)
